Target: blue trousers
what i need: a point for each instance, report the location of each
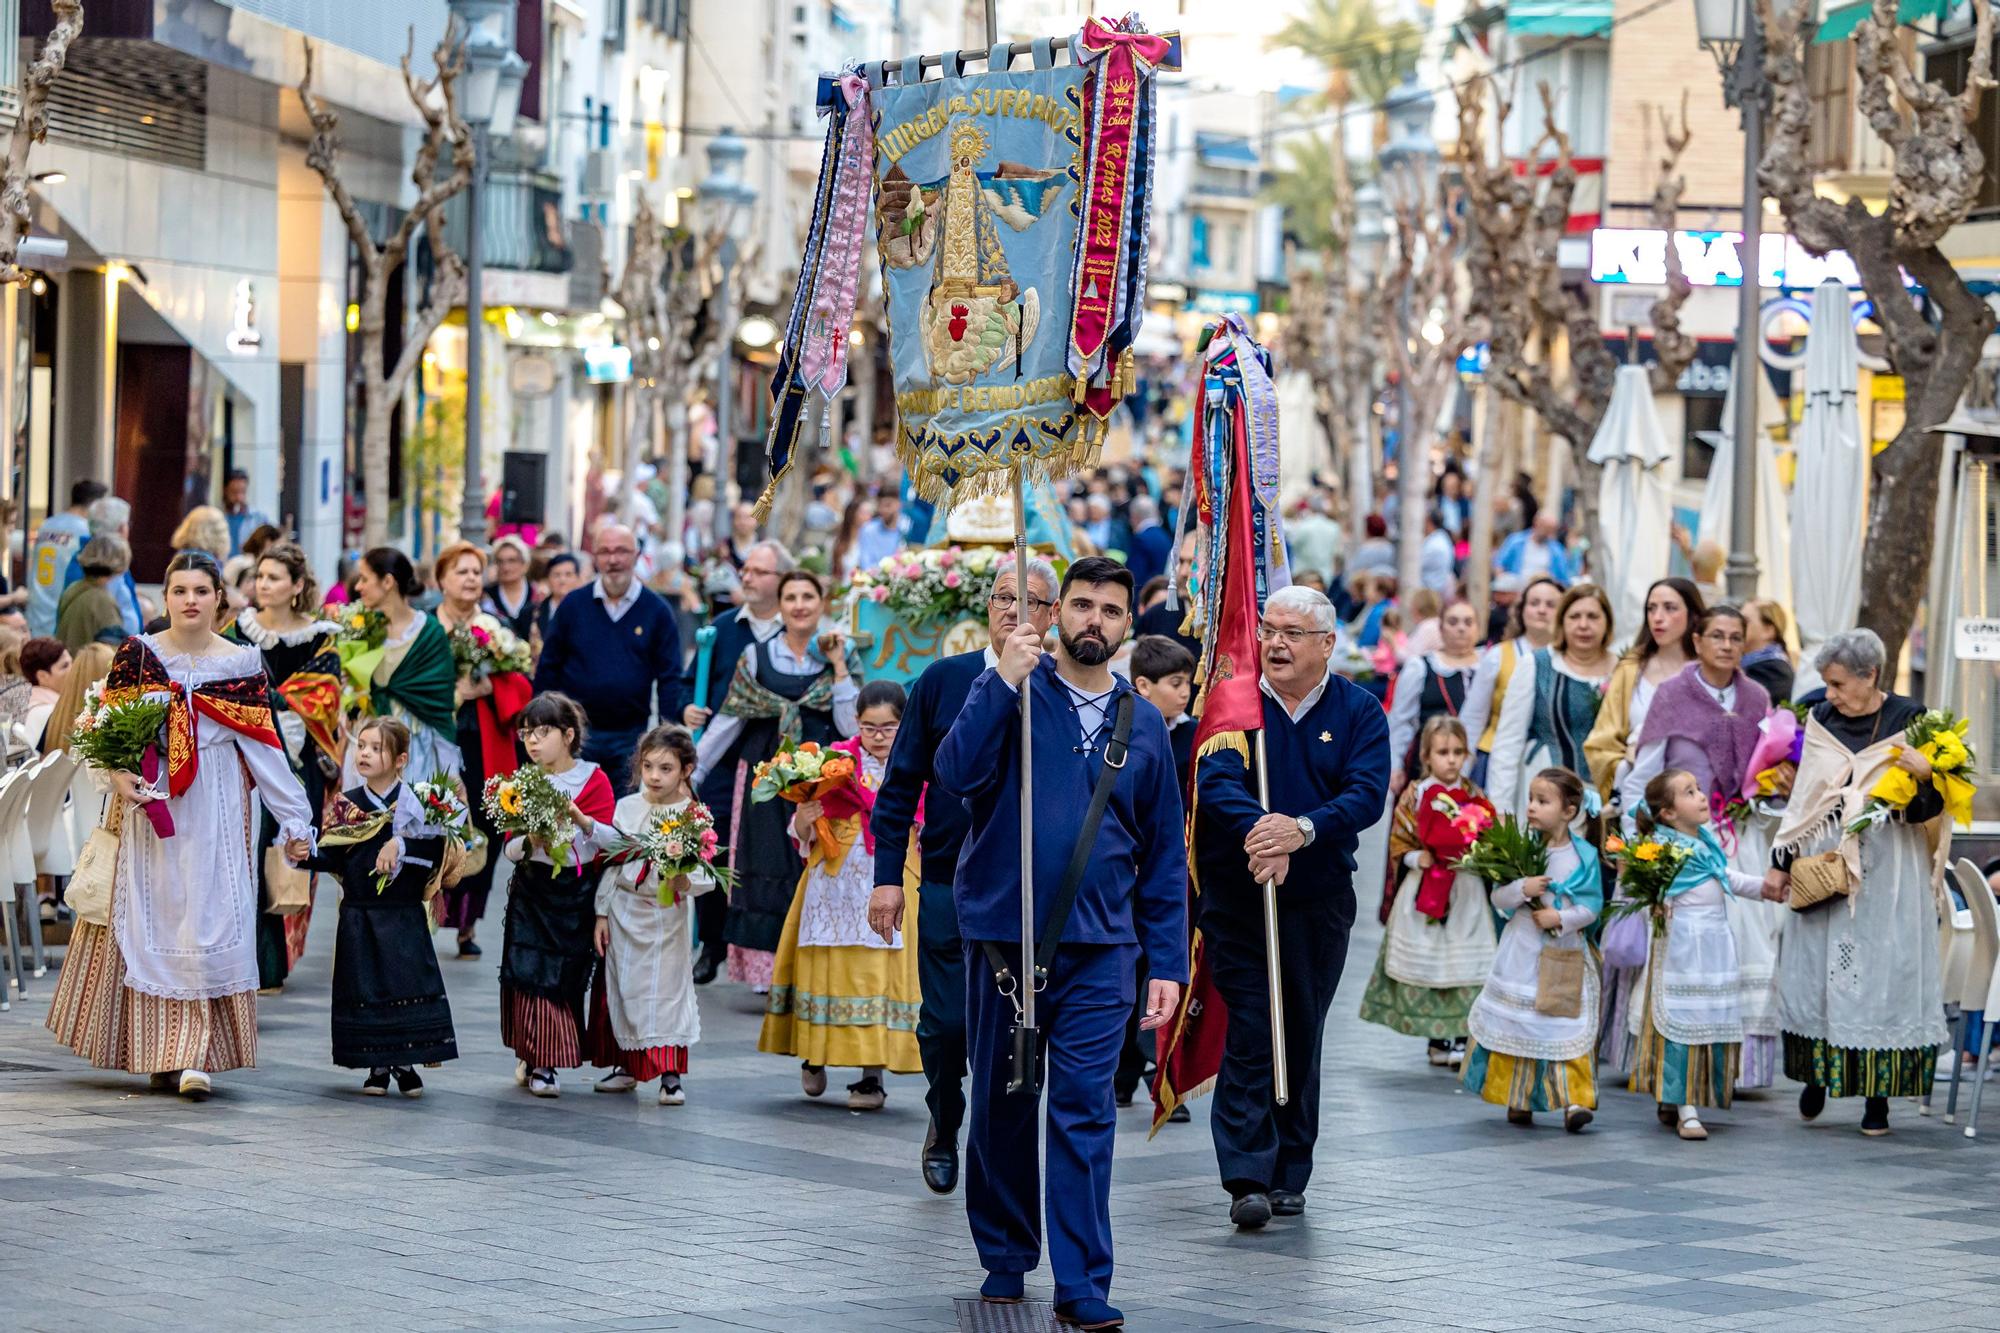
(1082, 1018)
(941, 1020)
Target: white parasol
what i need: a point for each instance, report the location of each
(1831, 486)
(1634, 500)
(1774, 520)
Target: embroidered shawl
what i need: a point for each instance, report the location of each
(241, 703)
(749, 698)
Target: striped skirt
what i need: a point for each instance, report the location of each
(539, 1030)
(1520, 1083)
(98, 1016)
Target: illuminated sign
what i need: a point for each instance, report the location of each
(1712, 259)
(607, 365)
(243, 338)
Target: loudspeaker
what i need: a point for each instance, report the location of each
(524, 479)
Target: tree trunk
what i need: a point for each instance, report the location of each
(378, 411)
(1413, 477)
(637, 431)
(1489, 455)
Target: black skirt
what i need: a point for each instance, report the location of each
(548, 948)
(389, 1005)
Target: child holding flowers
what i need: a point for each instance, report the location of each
(549, 938)
(1535, 1022)
(841, 994)
(1439, 943)
(1677, 875)
(642, 1007)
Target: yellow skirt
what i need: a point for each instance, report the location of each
(851, 1006)
(1521, 1083)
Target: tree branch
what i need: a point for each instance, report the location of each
(323, 156)
(16, 219)
(1673, 349)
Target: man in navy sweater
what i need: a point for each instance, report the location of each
(1327, 752)
(614, 647)
(934, 704)
(1133, 899)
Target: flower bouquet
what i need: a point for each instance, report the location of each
(1781, 739)
(1646, 870)
(674, 843)
(800, 773)
(527, 802)
(359, 645)
(931, 586)
(443, 803)
(1937, 734)
(1505, 851)
(126, 737)
(484, 647)
(1447, 826)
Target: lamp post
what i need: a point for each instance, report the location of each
(1729, 30)
(725, 201)
(1367, 248)
(490, 96)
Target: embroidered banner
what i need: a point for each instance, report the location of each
(977, 211)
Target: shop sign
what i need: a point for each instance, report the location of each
(1712, 259)
(532, 376)
(607, 365)
(243, 339)
(1977, 639)
(1219, 302)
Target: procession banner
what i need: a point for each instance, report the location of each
(977, 206)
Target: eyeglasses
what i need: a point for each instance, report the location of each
(880, 732)
(1007, 601)
(1724, 639)
(1292, 637)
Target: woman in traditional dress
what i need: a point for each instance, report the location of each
(1553, 699)
(1532, 625)
(488, 704)
(1432, 685)
(1665, 647)
(169, 988)
(1860, 991)
(1704, 721)
(798, 685)
(300, 663)
(412, 676)
(840, 993)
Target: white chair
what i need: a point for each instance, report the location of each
(87, 799)
(17, 855)
(10, 894)
(1969, 975)
(48, 821)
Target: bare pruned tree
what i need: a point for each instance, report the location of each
(661, 294)
(1937, 175)
(16, 219)
(443, 168)
(1518, 299)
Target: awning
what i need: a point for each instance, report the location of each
(1226, 150)
(1839, 24)
(1559, 18)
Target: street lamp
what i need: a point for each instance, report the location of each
(725, 201)
(489, 98)
(1728, 29)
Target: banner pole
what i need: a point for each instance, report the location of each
(1280, 1082)
(1021, 595)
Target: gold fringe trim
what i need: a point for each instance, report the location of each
(1239, 741)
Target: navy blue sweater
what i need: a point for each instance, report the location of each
(1136, 887)
(1332, 766)
(935, 700)
(613, 668)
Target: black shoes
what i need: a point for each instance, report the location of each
(1576, 1118)
(1250, 1211)
(1812, 1100)
(407, 1081)
(705, 968)
(376, 1084)
(1875, 1117)
(1179, 1115)
(1287, 1203)
(468, 948)
(940, 1162)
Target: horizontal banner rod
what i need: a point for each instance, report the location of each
(1048, 51)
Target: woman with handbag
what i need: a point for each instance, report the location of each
(1860, 989)
(1434, 684)
(166, 984)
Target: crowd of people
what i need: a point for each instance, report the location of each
(880, 922)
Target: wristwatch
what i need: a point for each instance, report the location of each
(1306, 831)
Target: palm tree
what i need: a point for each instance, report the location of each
(1363, 55)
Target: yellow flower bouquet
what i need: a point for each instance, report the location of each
(527, 802)
(1939, 736)
(1646, 870)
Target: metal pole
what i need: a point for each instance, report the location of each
(1748, 73)
(725, 429)
(1280, 1080)
(1027, 754)
(472, 516)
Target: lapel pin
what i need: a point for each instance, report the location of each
(1325, 736)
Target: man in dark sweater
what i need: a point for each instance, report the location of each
(615, 648)
(753, 620)
(1162, 620)
(934, 703)
(1327, 752)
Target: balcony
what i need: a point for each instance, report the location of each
(522, 227)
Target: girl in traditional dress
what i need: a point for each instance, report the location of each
(1860, 988)
(304, 671)
(841, 994)
(642, 1007)
(1432, 685)
(798, 685)
(1691, 1042)
(390, 1013)
(1439, 943)
(1522, 1057)
(169, 987)
(1553, 699)
(1531, 626)
(487, 707)
(549, 940)
(412, 677)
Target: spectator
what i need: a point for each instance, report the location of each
(205, 528)
(1376, 554)
(261, 539)
(1454, 506)
(1506, 596)
(1165, 619)
(559, 579)
(241, 518)
(1312, 539)
(742, 533)
(882, 535)
(14, 688)
(45, 662)
(1438, 560)
(510, 597)
(1536, 551)
(89, 606)
(1151, 545)
(1768, 661)
(58, 540)
(610, 648)
(844, 557)
(112, 517)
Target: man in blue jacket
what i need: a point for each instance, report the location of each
(1327, 753)
(934, 703)
(1133, 900)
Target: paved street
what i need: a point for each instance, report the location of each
(288, 1201)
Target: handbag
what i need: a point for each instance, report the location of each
(1818, 880)
(288, 887)
(1559, 983)
(88, 893)
(1626, 940)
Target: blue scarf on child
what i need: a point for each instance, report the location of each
(1708, 861)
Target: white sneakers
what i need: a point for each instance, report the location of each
(520, 1073)
(542, 1083)
(616, 1081)
(670, 1091)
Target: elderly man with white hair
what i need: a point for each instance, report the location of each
(1327, 753)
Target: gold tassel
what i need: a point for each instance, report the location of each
(1238, 741)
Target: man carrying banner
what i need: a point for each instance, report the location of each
(1105, 802)
(1327, 755)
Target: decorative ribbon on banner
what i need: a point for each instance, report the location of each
(1108, 274)
(813, 358)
